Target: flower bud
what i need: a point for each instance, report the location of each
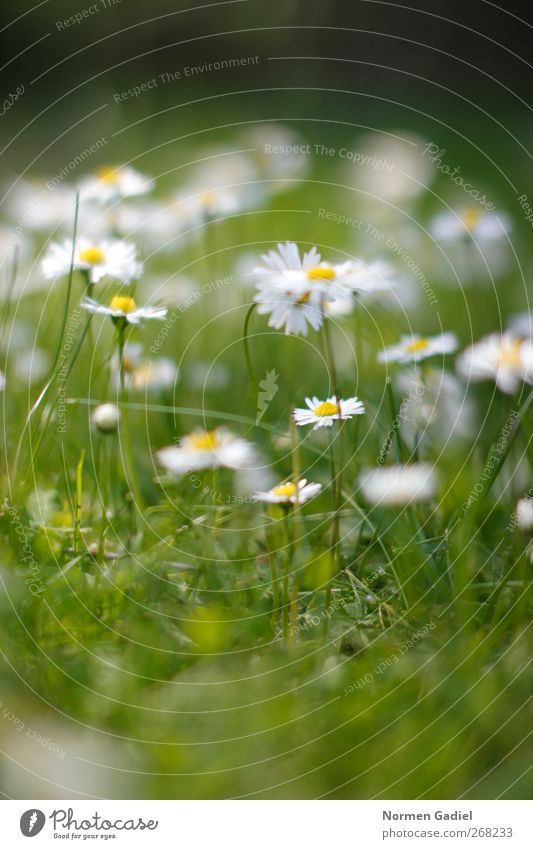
(106, 418)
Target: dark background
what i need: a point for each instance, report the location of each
(425, 65)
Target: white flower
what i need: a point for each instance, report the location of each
(289, 493)
(437, 405)
(106, 418)
(505, 358)
(324, 413)
(412, 349)
(397, 485)
(142, 374)
(124, 307)
(2, 381)
(481, 225)
(296, 291)
(108, 258)
(207, 450)
(111, 183)
(524, 514)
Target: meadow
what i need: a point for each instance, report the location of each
(267, 513)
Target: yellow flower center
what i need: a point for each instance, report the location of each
(285, 490)
(122, 303)
(510, 353)
(207, 198)
(418, 345)
(108, 175)
(206, 441)
(92, 255)
(319, 273)
(326, 409)
(470, 218)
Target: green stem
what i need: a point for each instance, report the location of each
(392, 406)
(249, 366)
(131, 475)
(495, 471)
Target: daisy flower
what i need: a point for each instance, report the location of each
(397, 485)
(124, 308)
(324, 413)
(413, 348)
(505, 358)
(108, 258)
(289, 493)
(296, 290)
(112, 183)
(209, 449)
(142, 374)
(481, 225)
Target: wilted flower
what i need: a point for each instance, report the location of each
(289, 493)
(413, 348)
(108, 258)
(505, 358)
(324, 413)
(124, 308)
(207, 450)
(396, 485)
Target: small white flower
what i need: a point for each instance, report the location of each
(398, 485)
(112, 183)
(289, 493)
(106, 418)
(479, 224)
(412, 349)
(143, 374)
(324, 413)
(505, 358)
(524, 514)
(207, 450)
(125, 308)
(108, 258)
(2, 381)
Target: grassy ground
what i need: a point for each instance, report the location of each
(154, 660)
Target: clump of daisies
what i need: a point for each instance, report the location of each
(324, 413)
(294, 290)
(505, 358)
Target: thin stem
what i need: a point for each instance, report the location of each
(79, 493)
(249, 366)
(131, 476)
(395, 427)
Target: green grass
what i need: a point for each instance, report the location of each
(163, 661)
